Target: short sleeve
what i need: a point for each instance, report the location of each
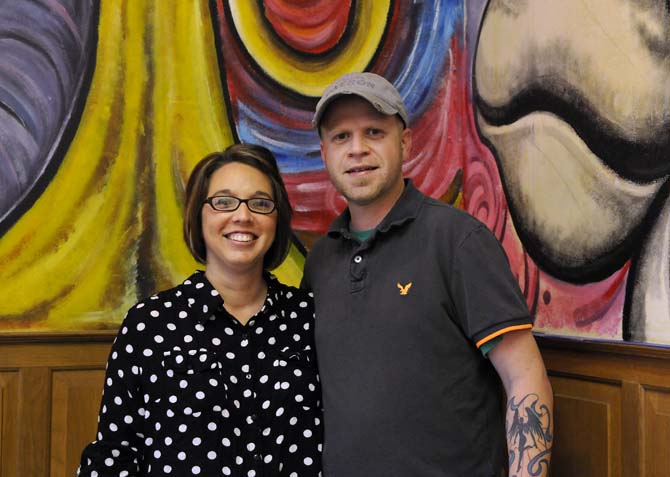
(487, 297)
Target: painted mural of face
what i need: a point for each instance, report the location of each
(573, 98)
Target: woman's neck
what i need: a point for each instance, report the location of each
(243, 293)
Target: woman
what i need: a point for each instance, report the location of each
(217, 376)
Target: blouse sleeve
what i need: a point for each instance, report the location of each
(116, 450)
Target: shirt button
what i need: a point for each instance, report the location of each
(248, 376)
(253, 417)
(358, 259)
(258, 457)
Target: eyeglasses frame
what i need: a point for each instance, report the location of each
(210, 199)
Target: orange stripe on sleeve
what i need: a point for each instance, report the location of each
(527, 326)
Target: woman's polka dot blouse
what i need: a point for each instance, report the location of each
(190, 391)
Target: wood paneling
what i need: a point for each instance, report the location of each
(611, 416)
(612, 411)
(74, 411)
(50, 387)
(9, 392)
(656, 432)
(587, 433)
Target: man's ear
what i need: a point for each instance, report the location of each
(406, 143)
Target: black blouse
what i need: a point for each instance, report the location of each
(191, 391)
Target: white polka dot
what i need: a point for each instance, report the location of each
(293, 448)
(154, 313)
(308, 461)
(181, 456)
(140, 326)
(195, 470)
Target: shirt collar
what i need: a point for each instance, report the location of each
(204, 300)
(405, 209)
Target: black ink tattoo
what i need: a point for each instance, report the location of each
(531, 429)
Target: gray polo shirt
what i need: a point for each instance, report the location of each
(399, 318)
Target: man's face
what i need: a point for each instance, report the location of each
(363, 151)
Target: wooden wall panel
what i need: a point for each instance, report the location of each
(50, 387)
(74, 410)
(656, 432)
(611, 417)
(587, 428)
(641, 377)
(9, 392)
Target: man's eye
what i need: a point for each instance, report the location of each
(340, 136)
(374, 132)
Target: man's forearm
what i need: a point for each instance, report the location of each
(529, 425)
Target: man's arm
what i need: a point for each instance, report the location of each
(530, 403)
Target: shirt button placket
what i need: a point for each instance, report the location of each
(357, 272)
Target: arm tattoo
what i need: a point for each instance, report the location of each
(528, 435)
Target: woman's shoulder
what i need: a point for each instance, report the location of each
(290, 294)
(168, 300)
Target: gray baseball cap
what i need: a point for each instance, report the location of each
(381, 94)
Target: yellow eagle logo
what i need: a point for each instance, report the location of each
(404, 290)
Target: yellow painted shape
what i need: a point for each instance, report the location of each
(310, 77)
(154, 108)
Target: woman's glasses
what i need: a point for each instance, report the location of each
(229, 203)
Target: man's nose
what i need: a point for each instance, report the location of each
(358, 144)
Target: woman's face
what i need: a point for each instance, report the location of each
(237, 241)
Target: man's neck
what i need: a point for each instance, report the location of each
(369, 216)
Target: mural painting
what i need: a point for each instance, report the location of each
(545, 133)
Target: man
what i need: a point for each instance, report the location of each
(410, 295)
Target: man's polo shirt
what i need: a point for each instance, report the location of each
(399, 319)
